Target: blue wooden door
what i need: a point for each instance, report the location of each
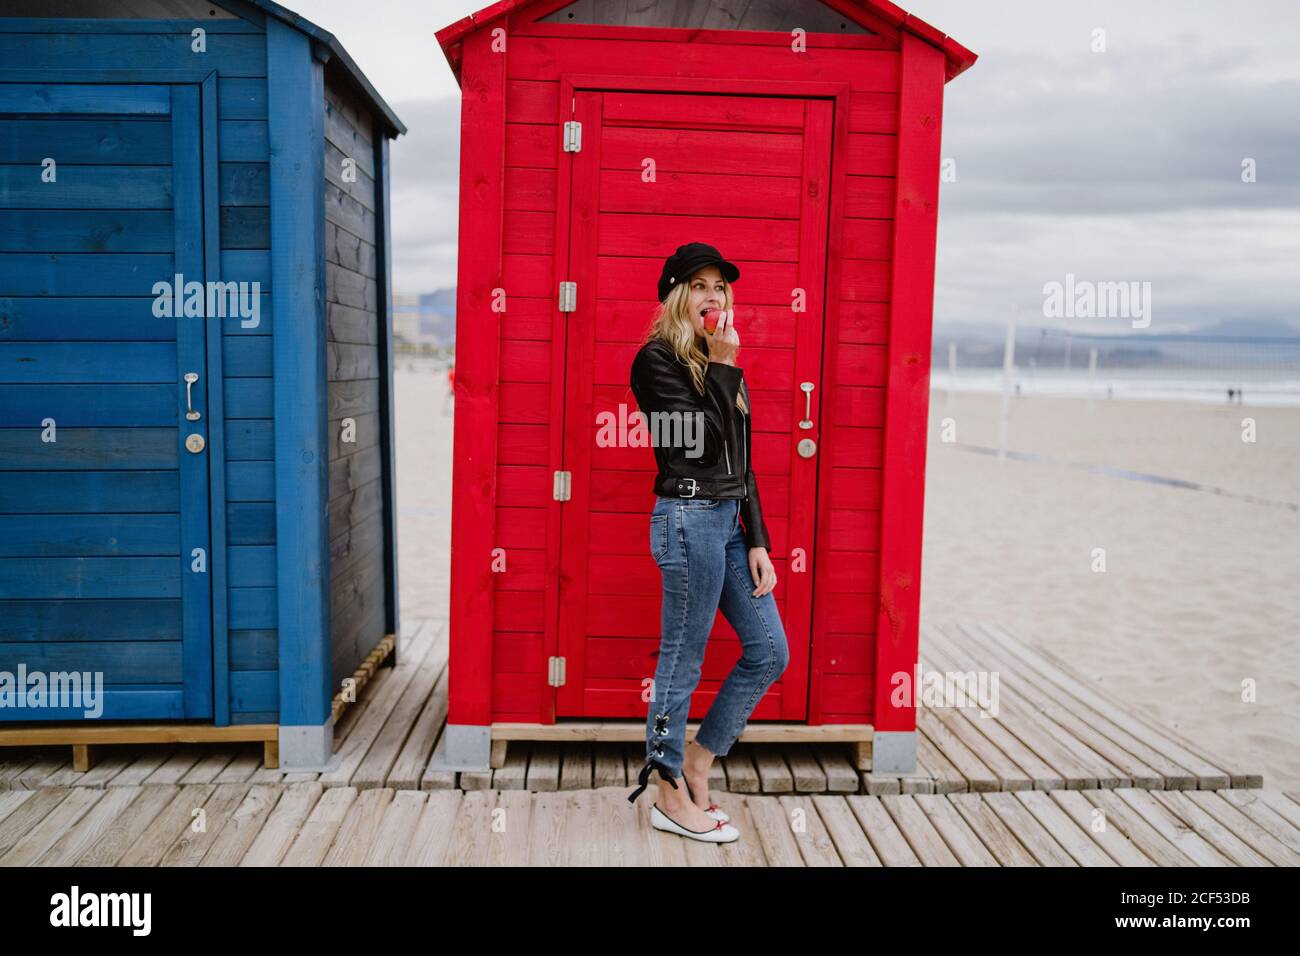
(104, 545)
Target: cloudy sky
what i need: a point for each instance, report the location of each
(1122, 165)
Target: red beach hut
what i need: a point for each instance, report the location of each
(803, 141)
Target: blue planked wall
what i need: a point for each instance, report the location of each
(117, 227)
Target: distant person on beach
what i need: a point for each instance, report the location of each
(449, 399)
(1231, 392)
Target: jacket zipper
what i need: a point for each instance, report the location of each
(728, 454)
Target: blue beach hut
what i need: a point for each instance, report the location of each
(196, 418)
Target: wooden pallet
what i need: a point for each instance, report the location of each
(88, 740)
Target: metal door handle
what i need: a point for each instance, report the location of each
(807, 413)
(190, 414)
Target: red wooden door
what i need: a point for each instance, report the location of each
(750, 175)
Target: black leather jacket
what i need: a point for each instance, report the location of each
(716, 456)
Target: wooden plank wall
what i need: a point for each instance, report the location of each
(236, 49)
(855, 342)
(357, 531)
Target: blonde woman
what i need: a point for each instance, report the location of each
(706, 535)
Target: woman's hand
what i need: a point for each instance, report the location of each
(724, 343)
(761, 570)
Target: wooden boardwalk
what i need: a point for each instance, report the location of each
(308, 824)
(1052, 731)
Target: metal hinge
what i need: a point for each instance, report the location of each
(555, 671)
(572, 136)
(568, 296)
(561, 486)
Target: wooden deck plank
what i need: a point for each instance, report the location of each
(886, 839)
(1076, 840)
(355, 836)
(1121, 816)
(1092, 820)
(963, 842)
(381, 758)
(1170, 826)
(397, 828)
(1032, 834)
(809, 831)
(841, 776)
(1250, 832)
(546, 829)
(1052, 759)
(196, 840)
(576, 766)
(610, 766)
(243, 826)
(1255, 806)
(851, 844)
(418, 748)
(741, 774)
(127, 827)
(1207, 775)
(28, 847)
(11, 800)
(317, 833)
(513, 822)
(544, 767)
(174, 820)
(773, 773)
(771, 827)
(352, 752)
(918, 831)
(1044, 713)
(990, 738)
(514, 772)
(1223, 839)
(473, 829)
(81, 836)
(993, 833)
(281, 828)
(931, 761)
(809, 777)
(978, 776)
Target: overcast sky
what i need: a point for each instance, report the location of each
(1123, 165)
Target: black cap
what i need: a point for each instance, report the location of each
(688, 260)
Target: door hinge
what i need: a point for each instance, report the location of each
(573, 136)
(555, 672)
(568, 296)
(561, 486)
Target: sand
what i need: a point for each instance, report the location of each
(1199, 592)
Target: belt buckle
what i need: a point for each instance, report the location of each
(694, 487)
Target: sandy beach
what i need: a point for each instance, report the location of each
(1199, 590)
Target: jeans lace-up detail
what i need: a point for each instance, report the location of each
(643, 778)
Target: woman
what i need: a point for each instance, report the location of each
(687, 383)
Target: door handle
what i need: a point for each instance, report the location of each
(807, 413)
(190, 414)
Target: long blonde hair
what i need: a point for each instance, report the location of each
(672, 325)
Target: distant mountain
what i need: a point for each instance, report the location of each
(1251, 328)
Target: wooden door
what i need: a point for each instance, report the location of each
(750, 175)
(105, 556)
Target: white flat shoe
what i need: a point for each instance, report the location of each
(714, 810)
(721, 833)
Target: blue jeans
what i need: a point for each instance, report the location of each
(704, 562)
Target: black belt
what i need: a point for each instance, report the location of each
(671, 486)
